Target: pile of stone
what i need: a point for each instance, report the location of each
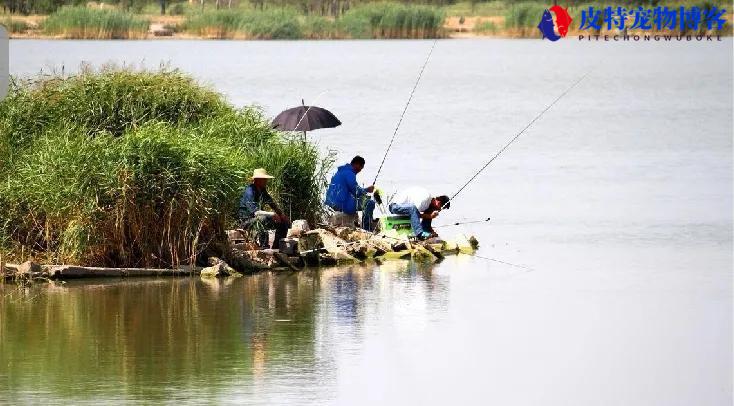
(324, 246)
(328, 246)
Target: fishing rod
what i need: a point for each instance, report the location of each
(461, 223)
(405, 109)
(518, 135)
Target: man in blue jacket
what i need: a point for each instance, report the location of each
(344, 195)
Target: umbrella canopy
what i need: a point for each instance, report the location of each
(315, 118)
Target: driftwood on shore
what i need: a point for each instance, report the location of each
(320, 247)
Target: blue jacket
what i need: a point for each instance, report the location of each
(343, 192)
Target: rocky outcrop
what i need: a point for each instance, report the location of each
(319, 247)
(217, 267)
(323, 247)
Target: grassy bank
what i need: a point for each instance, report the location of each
(376, 20)
(87, 23)
(360, 20)
(393, 20)
(123, 168)
(251, 24)
(14, 25)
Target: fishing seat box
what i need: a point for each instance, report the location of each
(401, 224)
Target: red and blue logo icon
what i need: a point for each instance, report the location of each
(554, 29)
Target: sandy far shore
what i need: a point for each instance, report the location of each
(471, 27)
(454, 28)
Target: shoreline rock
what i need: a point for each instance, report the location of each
(316, 248)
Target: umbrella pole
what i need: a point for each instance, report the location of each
(304, 137)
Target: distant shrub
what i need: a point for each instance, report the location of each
(486, 27)
(393, 20)
(86, 23)
(176, 10)
(15, 26)
(267, 24)
(316, 27)
(522, 16)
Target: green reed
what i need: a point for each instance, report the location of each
(125, 168)
(87, 23)
(393, 20)
(247, 24)
(14, 26)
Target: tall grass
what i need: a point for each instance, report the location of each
(218, 24)
(14, 26)
(152, 183)
(373, 20)
(486, 27)
(252, 24)
(521, 19)
(393, 20)
(315, 27)
(87, 23)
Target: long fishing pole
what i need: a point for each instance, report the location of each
(519, 134)
(303, 103)
(405, 109)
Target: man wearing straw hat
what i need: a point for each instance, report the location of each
(254, 218)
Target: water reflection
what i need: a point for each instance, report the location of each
(272, 334)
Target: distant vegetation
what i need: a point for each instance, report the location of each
(392, 20)
(87, 23)
(250, 24)
(521, 17)
(126, 168)
(312, 19)
(376, 20)
(14, 25)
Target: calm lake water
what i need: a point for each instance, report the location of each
(619, 199)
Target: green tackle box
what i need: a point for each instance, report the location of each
(395, 222)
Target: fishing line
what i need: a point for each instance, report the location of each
(527, 268)
(518, 135)
(461, 223)
(405, 110)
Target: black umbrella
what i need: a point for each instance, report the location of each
(305, 118)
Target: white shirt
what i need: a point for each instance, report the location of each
(416, 196)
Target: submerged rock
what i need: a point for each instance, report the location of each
(251, 260)
(29, 268)
(218, 268)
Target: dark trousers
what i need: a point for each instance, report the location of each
(417, 223)
(260, 229)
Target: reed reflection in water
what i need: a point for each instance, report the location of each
(273, 335)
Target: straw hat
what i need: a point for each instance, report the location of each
(260, 173)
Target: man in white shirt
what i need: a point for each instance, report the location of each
(422, 208)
